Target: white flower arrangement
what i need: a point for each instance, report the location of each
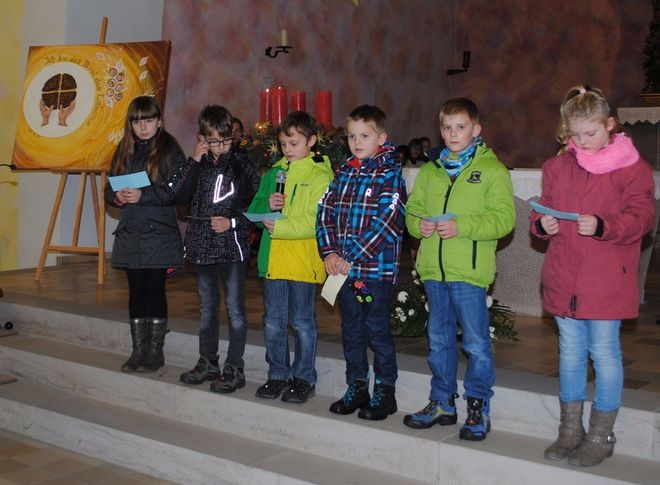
(410, 313)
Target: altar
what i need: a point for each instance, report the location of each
(641, 119)
(520, 255)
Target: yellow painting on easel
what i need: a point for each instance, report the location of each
(75, 99)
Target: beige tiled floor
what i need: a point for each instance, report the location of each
(24, 461)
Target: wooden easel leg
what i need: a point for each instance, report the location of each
(99, 216)
(79, 208)
(51, 225)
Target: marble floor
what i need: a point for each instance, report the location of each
(25, 461)
(534, 352)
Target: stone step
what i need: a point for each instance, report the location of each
(166, 448)
(435, 455)
(523, 403)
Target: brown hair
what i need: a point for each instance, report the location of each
(302, 122)
(369, 113)
(215, 118)
(144, 107)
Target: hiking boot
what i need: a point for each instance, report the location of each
(440, 412)
(298, 392)
(477, 424)
(204, 370)
(272, 389)
(232, 378)
(382, 403)
(356, 396)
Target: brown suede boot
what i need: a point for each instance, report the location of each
(599, 442)
(571, 431)
(154, 359)
(139, 332)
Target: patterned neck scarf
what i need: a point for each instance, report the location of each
(454, 163)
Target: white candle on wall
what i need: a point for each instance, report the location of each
(284, 39)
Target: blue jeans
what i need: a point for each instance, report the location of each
(580, 339)
(284, 298)
(232, 276)
(368, 324)
(449, 303)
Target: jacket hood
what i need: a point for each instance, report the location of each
(383, 158)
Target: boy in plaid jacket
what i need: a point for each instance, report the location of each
(359, 230)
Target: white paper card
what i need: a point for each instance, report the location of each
(332, 286)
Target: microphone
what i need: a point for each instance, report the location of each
(280, 182)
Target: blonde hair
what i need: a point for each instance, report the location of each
(459, 105)
(581, 101)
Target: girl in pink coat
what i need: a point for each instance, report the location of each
(589, 275)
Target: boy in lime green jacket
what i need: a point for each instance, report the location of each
(472, 192)
(289, 260)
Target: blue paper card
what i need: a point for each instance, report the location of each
(135, 180)
(541, 209)
(442, 217)
(268, 216)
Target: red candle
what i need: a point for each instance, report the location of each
(265, 113)
(279, 99)
(298, 101)
(324, 108)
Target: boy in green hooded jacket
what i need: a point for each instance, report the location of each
(460, 206)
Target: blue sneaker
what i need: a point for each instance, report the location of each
(477, 424)
(442, 413)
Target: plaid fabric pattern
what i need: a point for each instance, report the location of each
(361, 216)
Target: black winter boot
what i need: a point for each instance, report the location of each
(139, 332)
(356, 396)
(382, 403)
(155, 359)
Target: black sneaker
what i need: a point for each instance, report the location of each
(205, 370)
(356, 396)
(272, 389)
(298, 392)
(382, 403)
(232, 378)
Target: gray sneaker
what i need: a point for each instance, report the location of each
(204, 370)
(232, 378)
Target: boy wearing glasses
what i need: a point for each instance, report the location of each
(219, 183)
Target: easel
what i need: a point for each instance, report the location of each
(97, 204)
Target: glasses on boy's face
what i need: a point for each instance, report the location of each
(214, 142)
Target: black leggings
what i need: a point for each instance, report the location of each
(146, 293)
